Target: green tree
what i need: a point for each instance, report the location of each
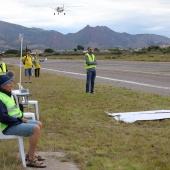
(80, 47)
(96, 50)
(48, 50)
(154, 48)
(11, 51)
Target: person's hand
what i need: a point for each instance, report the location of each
(25, 120)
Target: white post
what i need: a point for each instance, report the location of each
(21, 39)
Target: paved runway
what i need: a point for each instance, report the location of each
(151, 77)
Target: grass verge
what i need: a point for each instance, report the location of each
(75, 123)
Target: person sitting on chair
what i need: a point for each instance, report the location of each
(13, 123)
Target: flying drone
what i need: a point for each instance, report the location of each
(61, 9)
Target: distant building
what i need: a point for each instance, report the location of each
(37, 51)
(165, 46)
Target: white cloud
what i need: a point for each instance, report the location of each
(131, 16)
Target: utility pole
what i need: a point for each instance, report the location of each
(21, 39)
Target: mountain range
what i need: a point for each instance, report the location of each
(100, 37)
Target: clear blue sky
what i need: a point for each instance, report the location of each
(130, 16)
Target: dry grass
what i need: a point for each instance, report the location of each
(154, 57)
(76, 123)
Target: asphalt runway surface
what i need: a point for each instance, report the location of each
(149, 77)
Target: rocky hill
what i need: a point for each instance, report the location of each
(98, 37)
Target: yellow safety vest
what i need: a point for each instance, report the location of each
(91, 59)
(2, 68)
(12, 108)
(37, 64)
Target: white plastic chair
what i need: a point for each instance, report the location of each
(20, 145)
(25, 114)
(28, 102)
(33, 102)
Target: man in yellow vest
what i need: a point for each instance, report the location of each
(27, 61)
(13, 123)
(3, 67)
(90, 65)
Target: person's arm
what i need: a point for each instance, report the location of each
(5, 118)
(33, 62)
(87, 60)
(90, 63)
(23, 58)
(41, 60)
(95, 62)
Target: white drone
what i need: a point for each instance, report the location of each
(61, 9)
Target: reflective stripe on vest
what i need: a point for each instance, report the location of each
(91, 59)
(12, 109)
(16, 115)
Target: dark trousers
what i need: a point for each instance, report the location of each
(91, 75)
(37, 72)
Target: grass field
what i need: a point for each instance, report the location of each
(75, 123)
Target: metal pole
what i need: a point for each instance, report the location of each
(21, 39)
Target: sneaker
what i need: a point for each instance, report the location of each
(93, 92)
(87, 93)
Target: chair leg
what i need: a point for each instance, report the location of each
(21, 150)
(33, 117)
(36, 110)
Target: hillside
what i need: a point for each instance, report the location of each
(99, 37)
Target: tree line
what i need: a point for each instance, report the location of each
(80, 48)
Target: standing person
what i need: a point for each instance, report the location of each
(3, 66)
(90, 65)
(13, 123)
(27, 61)
(37, 65)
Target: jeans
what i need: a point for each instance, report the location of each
(91, 75)
(28, 72)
